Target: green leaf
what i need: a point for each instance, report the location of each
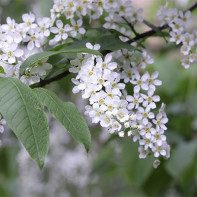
(181, 158)
(113, 43)
(2, 70)
(156, 29)
(135, 166)
(23, 113)
(30, 61)
(57, 70)
(67, 114)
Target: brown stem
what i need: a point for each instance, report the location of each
(56, 78)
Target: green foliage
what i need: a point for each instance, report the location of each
(24, 114)
(156, 29)
(30, 61)
(181, 158)
(2, 70)
(67, 114)
(135, 166)
(113, 43)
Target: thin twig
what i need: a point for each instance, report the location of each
(130, 25)
(56, 78)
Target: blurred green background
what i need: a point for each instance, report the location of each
(115, 170)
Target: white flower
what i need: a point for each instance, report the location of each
(148, 131)
(127, 57)
(128, 73)
(134, 101)
(28, 20)
(146, 142)
(116, 126)
(21, 30)
(106, 64)
(124, 8)
(61, 31)
(33, 39)
(146, 59)
(122, 115)
(185, 49)
(185, 17)
(175, 37)
(93, 47)
(110, 5)
(105, 120)
(40, 68)
(97, 8)
(156, 163)
(110, 105)
(143, 153)
(177, 27)
(161, 13)
(110, 22)
(193, 57)
(160, 121)
(159, 150)
(76, 27)
(90, 90)
(159, 138)
(153, 81)
(29, 79)
(82, 8)
(144, 114)
(95, 113)
(98, 97)
(149, 100)
(136, 135)
(188, 39)
(11, 52)
(121, 134)
(185, 63)
(172, 15)
(44, 24)
(140, 82)
(10, 26)
(134, 16)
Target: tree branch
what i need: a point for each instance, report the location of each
(152, 32)
(192, 8)
(137, 37)
(56, 78)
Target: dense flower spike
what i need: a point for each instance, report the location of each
(179, 23)
(102, 80)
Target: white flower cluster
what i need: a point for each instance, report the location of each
(179, 22)
(118, 13)
(103, 83)
(18, 41)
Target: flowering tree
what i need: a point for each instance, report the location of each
(106, 60)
